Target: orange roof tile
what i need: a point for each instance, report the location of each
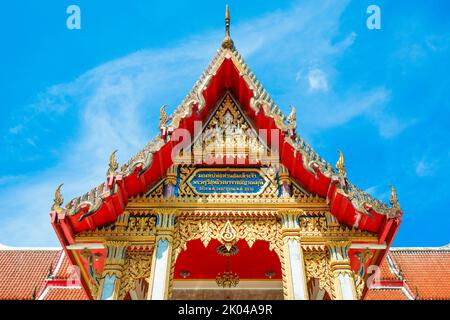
(386, 272)
(385, 294)
(23, 271)
(426, 272)
(64, 270)
(64, 293)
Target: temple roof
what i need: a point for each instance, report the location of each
(36, 273)
(414, 273)
(226, 71)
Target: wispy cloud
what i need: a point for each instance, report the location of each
(317, 80)
(424, 168)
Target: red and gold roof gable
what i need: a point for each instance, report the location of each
(227, 72)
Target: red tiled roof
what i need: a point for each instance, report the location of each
(425, 273)
(64, 293)
(64, 270)
(385, 294)
(23, 272)
(386, 272)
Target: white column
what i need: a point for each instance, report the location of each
(161, 270)
(297, 266)
(344, 281)
(159, 282)
(294, 278)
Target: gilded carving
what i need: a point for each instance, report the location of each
(127, 226)
(58, 200)
(228, 133)
(360, 282)
(137, 266)
(317, 267)
(227, 228)
(142, 224)
(113, 165)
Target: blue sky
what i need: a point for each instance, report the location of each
(70, 97)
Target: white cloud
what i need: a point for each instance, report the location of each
(16, 129)
(317, 80)
(424, 168)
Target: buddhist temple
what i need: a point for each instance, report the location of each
(228, 201)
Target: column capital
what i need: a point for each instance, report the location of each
(115, 257)
(290, 222)
(165, 223)
(283, 175)
(344, 279)
(171, 175)
(339, 259)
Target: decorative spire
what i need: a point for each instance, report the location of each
(113, 165)
(227, 43)
(292, 118)
(340, 166)
(393, 200)
(163, 118)
(58, 200)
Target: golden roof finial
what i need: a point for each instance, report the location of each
(393, 200)
(227, 43)
(340, 166)
(163, 118)
(113, 165)
(292, 118)
(227, 20)
(58, 200)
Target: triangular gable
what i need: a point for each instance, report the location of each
(228, 72)
(228, 137)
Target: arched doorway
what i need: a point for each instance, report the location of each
(257, 267)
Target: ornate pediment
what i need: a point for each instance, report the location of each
(228, 134)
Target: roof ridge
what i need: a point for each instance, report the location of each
(412, 249)
(4, 247)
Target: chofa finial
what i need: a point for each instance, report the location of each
(227, 43)
(393, 200)
(292, 118)
(58, 200)
(163, 118)
(113, 165)
(340, 166)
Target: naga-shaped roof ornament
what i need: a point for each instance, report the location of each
(340, 166)
(292, 118)
(58, 200)
(227, 42)
(163, 118)
(113, 165)
(393, 200)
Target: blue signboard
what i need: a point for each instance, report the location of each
(214, 181)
